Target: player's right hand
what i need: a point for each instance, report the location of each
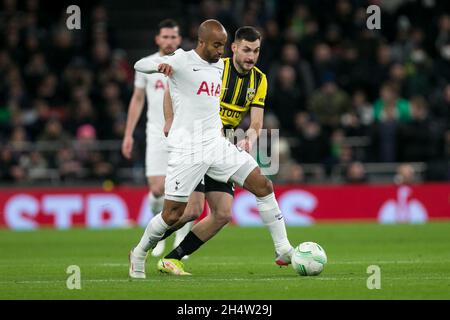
(166, 69)
(127, 146)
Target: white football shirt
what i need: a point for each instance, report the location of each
(195, 91)
(154, 85)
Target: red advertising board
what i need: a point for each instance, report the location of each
(301, 205)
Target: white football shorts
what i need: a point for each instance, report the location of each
(220, 160)
(156, 155)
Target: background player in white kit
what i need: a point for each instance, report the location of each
(153, 86)
(197, 146)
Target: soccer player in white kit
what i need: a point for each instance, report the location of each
(156, 154)
(196, 144)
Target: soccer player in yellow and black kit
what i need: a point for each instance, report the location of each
(244, 89)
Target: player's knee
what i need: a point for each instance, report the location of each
(172, 215)
(222, 217)
(193, 211)
(157, 191)
(264, 188)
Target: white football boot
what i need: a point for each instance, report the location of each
(137, 266)
(284, 259)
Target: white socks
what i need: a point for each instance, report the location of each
(156, 203)
(181, 233)
(273, 219)
(152, 234)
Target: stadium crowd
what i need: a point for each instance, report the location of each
(341, 94)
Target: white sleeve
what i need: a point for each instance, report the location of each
(140, 80)
(147, 65)
(150, 65)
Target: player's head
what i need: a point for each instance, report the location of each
(246, 47)
(212, 38)
(168, 38)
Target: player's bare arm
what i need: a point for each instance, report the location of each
(134, 112)
(168, 111)
(254, 130)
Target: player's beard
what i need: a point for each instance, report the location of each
(168, 50)
(244, 67)
(213, 59)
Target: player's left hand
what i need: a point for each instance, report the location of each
(166, 69)
(245, 144)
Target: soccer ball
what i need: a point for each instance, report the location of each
(308, 259)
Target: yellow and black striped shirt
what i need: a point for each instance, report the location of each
(240, 93)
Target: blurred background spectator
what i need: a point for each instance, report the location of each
(350, 103)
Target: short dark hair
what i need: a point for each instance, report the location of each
(167, 23)
(247, 33)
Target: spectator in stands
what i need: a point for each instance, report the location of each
(352, 126)
(324, 70)
(384, 137)
(86, 142)
(62, 49)
(68, 165)
(324, 64)
(418, 138)
(405, 174)
(390, 104)
(35, 69)
(329, 103)
(53, 137)
(48, 90)
(397, 77)
(54, 133)
(36, 166)
(420, 73)
(101, 59)
(18, 139)
(442, 63)
(296, 174)
(291, 173)
(10, 169)
(286, 100)
(379, 71)
(362, 107)
(89, 156)
(352, 71)
(313, 145)
(310, 39)
(37, 118)
(290, 56)
(271, 45)
(443, 36)
(355, 173)
(440, 110)
(341, 154)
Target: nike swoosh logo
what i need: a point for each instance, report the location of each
(195, 69)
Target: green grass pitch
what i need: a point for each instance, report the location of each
(237, 264)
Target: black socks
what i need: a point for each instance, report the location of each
(167, 234)
(189, 244)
